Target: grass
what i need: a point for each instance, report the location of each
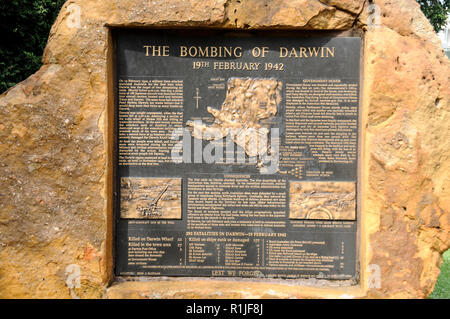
(442, 287)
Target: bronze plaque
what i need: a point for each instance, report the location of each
(236, 155)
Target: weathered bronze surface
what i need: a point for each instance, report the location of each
(236, 156)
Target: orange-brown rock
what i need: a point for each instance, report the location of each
(55, 153)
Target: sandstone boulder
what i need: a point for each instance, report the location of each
(55, 154)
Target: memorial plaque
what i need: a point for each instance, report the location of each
(236, 155)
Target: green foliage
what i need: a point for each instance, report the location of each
(442, 287)
(436, 11)
(25, 25)
(24, 29)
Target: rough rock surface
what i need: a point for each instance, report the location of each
(54, 162)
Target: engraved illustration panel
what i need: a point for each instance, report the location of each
(322, 200)
(154, 198)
